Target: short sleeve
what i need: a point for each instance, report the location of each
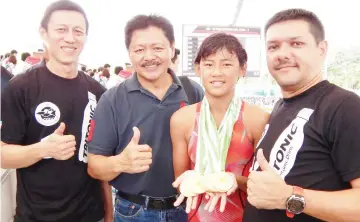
(103, 131)
(199, 92)
(101, 91)
(344, 134)
(13, 114)
(5, 77)
(96, 87)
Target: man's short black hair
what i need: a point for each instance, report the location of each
(12, 59)
(13, 52)
(100, 69)
(118, 69)
(83, 68)
(315, 25)
(145, 21)
(107, 65)
(7, 55)
(218, 41)
(177, 53)
(59, 6)
(24, 56)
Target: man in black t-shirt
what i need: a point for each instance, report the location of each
(307, 163)
(46, 115)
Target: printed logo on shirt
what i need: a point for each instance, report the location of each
(86, 131)
(283, 154)
(182, 104)
(92, 126)
(47, 114)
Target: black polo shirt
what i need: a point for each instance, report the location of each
(128, 105)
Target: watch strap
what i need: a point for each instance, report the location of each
(296, 191)
(289, 214)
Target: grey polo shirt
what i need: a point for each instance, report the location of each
(128, 105)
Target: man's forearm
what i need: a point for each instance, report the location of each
(101, 167)
(333, 206)
(17, 156)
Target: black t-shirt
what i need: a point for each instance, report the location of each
(33, 105)
(5, 77)
(313, 142)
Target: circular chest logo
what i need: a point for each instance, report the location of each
(47, 113)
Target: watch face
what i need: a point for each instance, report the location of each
(295, 204)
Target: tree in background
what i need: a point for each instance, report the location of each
(344, 71)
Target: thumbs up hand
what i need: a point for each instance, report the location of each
(60, 130)
(58, 145)
(135, 158)
(266, 189)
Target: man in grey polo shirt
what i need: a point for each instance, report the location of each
(130, 143)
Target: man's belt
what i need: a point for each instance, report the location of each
(155, 203)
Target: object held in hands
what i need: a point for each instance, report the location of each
(192, 185)
(196, 183)
(218, 182)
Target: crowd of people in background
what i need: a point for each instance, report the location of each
(105, 75)
(15, 66)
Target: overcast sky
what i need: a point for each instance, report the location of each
(20, 21)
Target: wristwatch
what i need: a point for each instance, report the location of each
(295, 204)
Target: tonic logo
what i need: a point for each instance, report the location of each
(285, 150)
(284, 147)
(86, 130)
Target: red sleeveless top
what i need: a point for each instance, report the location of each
(238, 161)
